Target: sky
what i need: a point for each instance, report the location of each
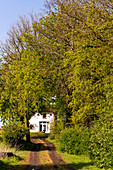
(10, 10)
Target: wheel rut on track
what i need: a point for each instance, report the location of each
(34, 162)
(56, 158)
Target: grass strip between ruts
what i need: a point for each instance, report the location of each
(45, 160)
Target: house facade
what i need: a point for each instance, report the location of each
(41, 122)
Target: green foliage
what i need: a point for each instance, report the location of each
(76, 161)
(90, 76)
(56, 127)
(96, 142)
(101, 145)
(13, 132)
(74, 141)
(66, 55)
(91, 61)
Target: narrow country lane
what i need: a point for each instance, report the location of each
(34, 161)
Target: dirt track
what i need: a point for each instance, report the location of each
(34, 162)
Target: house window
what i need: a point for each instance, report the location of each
(44, 116)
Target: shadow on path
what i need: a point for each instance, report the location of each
(59, 164)
(34, 162)
(73, 166)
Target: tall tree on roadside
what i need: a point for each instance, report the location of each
(51, 32)
(89, 26)
(92, 62)
(22, 79)
(57, 32)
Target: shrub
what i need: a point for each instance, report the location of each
(101, 145)
(96, 141)
(52, 136)
(13, 132)
(56, 128)
(74, 141)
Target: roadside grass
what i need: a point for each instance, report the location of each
(21, 154)
(20, 158)
(18, 161)
(8, 148)
(37, 133)
(77, 162)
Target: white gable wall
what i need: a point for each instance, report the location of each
(41, 122)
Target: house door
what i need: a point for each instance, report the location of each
(43, 126)
(40, 127)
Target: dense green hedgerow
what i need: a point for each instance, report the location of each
(13, 132)
(96, 141)
(101, 145)
(74, 141)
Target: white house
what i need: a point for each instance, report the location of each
(41, 122)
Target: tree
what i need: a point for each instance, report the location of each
(50, 33)
(63, 61)
(88, 54)
(92, 63)
(22, 94)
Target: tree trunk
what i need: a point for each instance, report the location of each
(27, 126)
(55, 119)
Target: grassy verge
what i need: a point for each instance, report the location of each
(16, 162)
(38, 133)
(20, 158)
(81, 162)
(21, 154)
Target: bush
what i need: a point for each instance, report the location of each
(52, 136)
(56, 128)
(96, 141)
(101, 145)
(13, 132)
(74, 141)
